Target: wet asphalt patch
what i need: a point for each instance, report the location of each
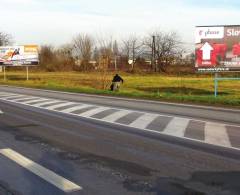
(87, 159)
(5, 190)
(201, 183)
(139, 179)
(28, 139)
(163, 186)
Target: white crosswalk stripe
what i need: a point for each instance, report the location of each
(75, 108)
(5, 95)
(117, 115)
(60, 105)
(25, 98)
(46, 103)
(216, 134)
(143, 121)
(33, 101)
(2, 96)
(2, 93)
(93, 111)
(177, 127)
(13, 96)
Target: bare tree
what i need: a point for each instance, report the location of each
(82, 49)
(47, 57)
(65, 58)
(5, 39)
(166, 47)
(105, 52)
(66, 50)
(115, 53)
(133, 49)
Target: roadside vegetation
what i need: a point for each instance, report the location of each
(197, 89)
(157, 66)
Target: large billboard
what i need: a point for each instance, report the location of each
(217, 48)
(25, 55)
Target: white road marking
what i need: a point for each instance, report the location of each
(3, 93)
(143, 121)
(13, 96)
(1, 112)
(7, 94)
(69, 110)
(49, 176)
(60, 105)
(176, 127)
(33, 101)
(117, 115)
(217, 134)
(93, 111)
(46, 103)
(26, 98)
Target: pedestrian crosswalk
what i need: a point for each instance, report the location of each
(94, 111)
(186, 128)
(59, 105)
(35, 101)
(116, 116)
(75, 108)
(143, 121)
(177, 127)
(214, 133)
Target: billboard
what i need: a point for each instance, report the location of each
(217, 48)
(25, 55)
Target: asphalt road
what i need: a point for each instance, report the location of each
(61, 143)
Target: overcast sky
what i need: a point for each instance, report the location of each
(57, 21)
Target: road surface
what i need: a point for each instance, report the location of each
(63, 143)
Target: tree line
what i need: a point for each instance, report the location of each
(155, 52)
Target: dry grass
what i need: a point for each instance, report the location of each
(197, 89)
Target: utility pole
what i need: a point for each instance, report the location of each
(154, 53)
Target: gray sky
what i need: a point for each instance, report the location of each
(57, 21)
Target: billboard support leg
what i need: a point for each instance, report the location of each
(216, 85)
(4, 73)
(27, 72)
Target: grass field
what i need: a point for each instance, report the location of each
(197, 89)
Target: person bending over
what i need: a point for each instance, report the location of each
(116, 83)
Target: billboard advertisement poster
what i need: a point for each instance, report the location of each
(26, 55)
(217, 48)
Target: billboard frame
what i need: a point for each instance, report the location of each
(216, 73)
(4, 71)
(219, 71)
(19, 55)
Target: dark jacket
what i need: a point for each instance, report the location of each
(117, 78)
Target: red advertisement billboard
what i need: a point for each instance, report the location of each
(217, 48)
